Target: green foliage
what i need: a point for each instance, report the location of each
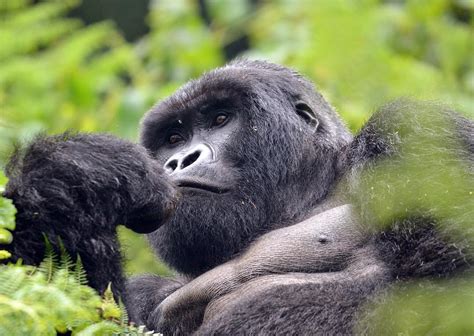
(110, 309)
(43, 302)
(139, 254)
(180, 45)
(53, 299)
(430, 177)
(423, 308)
(7, 210)
(50, 262)
(56, 74)
(47, 299)
(7, 219)
(80, 274)
(364, 53)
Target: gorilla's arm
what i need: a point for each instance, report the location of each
(328, 245)
(146, 293)
(79, 187)
(298, 303)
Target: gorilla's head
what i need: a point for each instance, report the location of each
(251, 146)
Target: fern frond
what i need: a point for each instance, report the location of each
(80, 274)
(108, 296)
(50, 262)
(101, 328)
(110, 309)
(11, 280)
(65, 261)
(124, 319)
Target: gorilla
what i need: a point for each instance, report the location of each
(253, 149)
(255, 222)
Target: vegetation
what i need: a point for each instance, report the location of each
(57, 73)
(430, 178)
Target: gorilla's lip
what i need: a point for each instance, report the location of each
(202, 185)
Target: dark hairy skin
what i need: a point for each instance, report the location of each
(273, 163)
(79, 188)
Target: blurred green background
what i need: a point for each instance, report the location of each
(99, 65)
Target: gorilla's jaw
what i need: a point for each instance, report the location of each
(207, 229)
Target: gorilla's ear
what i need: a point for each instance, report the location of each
(305, 112)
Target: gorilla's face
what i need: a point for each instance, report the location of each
(242, 157)
(190, 142)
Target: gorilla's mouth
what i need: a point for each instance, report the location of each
(202, 185)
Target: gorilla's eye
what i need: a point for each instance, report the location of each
(174, 138)
(220, 119)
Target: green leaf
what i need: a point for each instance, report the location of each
(110, 309)
(7, 210)
(4, 254)
(50, 262)
(7, 214)
(3, 181)
(65, 260)
(80, 274)
(101, 328)
(5, 236)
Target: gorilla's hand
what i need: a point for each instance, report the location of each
(145, 293)
(325, 244)
(97, 179)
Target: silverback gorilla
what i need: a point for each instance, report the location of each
(254, 225)
(253, 148)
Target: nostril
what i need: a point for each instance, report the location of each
(172, 165)
(190, 159)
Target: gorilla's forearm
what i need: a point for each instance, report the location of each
(145, 293)
(281, 302)
(79, 188)
(325, 245)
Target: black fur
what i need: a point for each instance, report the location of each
(79, 188)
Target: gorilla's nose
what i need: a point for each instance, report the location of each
(192, 157)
